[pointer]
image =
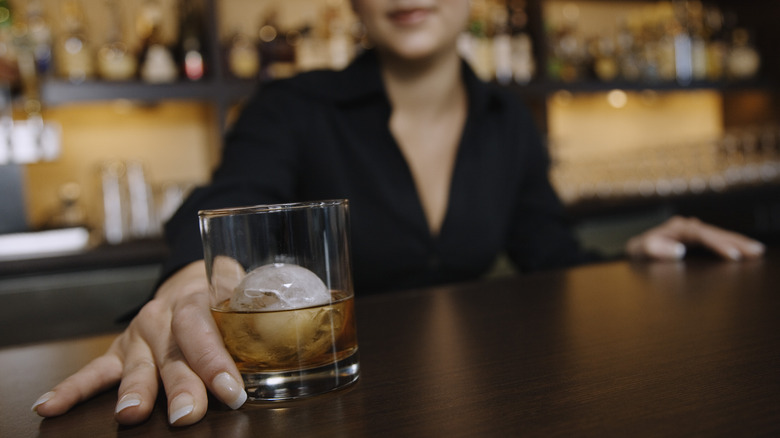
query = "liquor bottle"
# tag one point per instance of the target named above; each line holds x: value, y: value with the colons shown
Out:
x: 156, y: 61
x: 683, y: 52
x: 476, y: 45
x: 115, y: 62
x: 40, y: 36
x: 566, y: 62
x: 522, y: 57
x: 340, y: 44
x: 667, y: 44
x: 74, y: 55
x: 276, y: 53
x: 192, y: 59
x: 627, y: 53
x: 243, y: 56
x: 7, y: 54
x: 502, y: 45
x: 716, y: 46
x: 312, y: 50
x: 604, y: 62
x: 743, y: 59
x: 699, y: 37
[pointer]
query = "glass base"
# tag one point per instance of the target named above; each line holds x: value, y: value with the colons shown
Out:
x: 291, y: 385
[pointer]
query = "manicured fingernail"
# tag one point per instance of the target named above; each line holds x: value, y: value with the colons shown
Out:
x: 181, y: 406
x: 41, y: 400
x: 756, y: 248
x: 128, y: 400
x: 229, y: 390
x: 678, y: 251
x: 733, y: 254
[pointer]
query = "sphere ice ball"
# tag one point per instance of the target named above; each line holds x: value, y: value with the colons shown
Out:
x: 279, y: 286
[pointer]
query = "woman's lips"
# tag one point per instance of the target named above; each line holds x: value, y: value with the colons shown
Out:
x: 408, y: 17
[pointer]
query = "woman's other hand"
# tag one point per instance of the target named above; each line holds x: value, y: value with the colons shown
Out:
x: 669, y: 240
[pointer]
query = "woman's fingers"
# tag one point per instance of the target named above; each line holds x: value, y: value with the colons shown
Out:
x: 727, y: 244
x: 205, y: 353
x: 656, y: 246
x: 173, y: 339
x: 139, y: 386
x: 192, y: 352
x: 97, y: 376
x: 186, y: 393
x: 187, y: 397
x: 667, y: 241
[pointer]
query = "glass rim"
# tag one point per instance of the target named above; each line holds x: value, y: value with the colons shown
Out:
x: 271, y: 208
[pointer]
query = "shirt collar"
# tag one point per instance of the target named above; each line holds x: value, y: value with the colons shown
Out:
x: 361, y: 80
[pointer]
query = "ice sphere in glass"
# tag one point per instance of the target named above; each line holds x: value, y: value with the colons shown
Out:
x: 279, y: 286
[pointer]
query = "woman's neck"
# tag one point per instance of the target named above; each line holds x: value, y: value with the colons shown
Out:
x: 428, y: 85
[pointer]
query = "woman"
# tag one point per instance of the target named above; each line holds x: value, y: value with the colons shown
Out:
x: 442, y: 173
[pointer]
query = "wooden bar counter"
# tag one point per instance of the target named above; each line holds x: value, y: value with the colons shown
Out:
x: 615, y: 349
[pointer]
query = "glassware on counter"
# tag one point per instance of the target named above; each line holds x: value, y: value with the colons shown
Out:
x: 132, y: 207
x: 743, y: 157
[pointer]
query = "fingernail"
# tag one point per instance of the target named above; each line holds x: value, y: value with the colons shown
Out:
x: 128, y: 400
x: 756, y: 248
x: 679, y: 251
x: 229, y: 390
x: 41, y: 400
x: 181, y: 406
x: 733, y: 254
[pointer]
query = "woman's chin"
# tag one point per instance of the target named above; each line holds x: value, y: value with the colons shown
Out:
x: 417, y: 51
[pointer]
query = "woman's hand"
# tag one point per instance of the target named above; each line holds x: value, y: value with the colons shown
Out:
x: 668, y: 241
x: 173, y: 337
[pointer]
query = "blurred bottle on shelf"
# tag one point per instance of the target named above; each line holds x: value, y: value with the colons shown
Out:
x: 698, y: 32
x: 70, y: 212
x: 716, y: 45
x: 521, y: 54
x: 141, y: 201
x: 243, y: 57
x: 475, y: 43
x: 566, y: 52
x: 312, y: 51
x: 40, y: 36
x: 129, y: 207
x: 681, y: 31
x: 666, y: 41
x: 115, y: 202
x: 156, y: 61
x: 603, y: 62
x: 340, y: 43
x: 74, y: 54
x: 502, y: 45
x: 277, y: 51
x: 192, y: 46
x: 115, y: 62
x: 330, y: 42
x: 743, y: 61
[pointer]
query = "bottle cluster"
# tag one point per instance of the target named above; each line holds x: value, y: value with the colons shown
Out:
x: 669, y: 41
x: 497, y: 42
x: 271, y: 50
x: 678, y: 40
x: 58, y: 42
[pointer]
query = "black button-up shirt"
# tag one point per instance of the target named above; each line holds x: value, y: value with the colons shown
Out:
x: 325, y: 135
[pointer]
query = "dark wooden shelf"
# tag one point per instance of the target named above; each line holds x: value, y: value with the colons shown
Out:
x: 543, y: 88
x: 134, y: 253
x: 60, y: 92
